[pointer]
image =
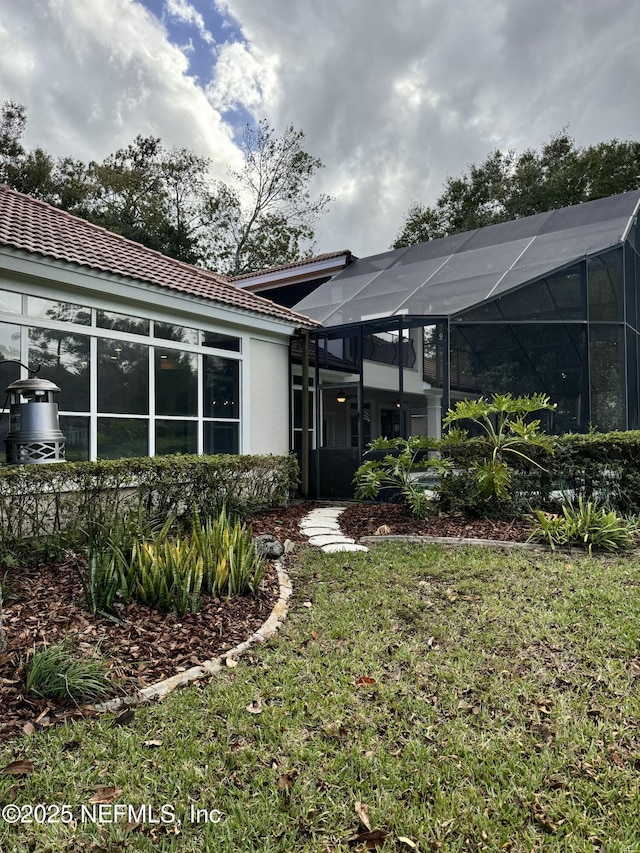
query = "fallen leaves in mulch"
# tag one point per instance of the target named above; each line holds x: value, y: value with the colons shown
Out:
x: 45, y: 605
x: 365, y: 519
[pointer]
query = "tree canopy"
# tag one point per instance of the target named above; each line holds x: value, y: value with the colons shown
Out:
x: 511, y: 185
x: 263, y: 215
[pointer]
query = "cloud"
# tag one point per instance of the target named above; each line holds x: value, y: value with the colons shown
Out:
x: 93, y: 75
x: 393, y: 97
x: 185, y: 12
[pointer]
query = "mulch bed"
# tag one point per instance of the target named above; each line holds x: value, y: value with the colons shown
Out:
x: 44, y: 605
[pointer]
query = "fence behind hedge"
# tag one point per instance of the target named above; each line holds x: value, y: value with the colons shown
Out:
x: 77, y: 498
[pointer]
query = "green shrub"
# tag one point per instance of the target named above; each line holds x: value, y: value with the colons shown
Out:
x: 585, y: 524
x: 399, y: 471
x: 70, y: 505
x: 56, y: 672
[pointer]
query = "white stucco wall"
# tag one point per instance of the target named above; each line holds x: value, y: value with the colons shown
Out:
x: 269, y: 397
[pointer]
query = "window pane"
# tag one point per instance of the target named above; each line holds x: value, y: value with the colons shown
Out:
x: 9, y: 350
x: 10, y: 302
x: 171, y: 332
x: 221, y: 387
x: 122, y: 437
x: 604, y: 275
x: 176, y: 382
x: 220, y: 438
x: 122, y: 322
x: 123, y: 377
x: 76, y: 433
x: 176, y: 437
x: 606, y: 362
x: 215, y: 339
x: 65, y: 312
x: 64, y: 359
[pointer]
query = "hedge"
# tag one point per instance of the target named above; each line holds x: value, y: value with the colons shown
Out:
x: 78, y: 498
x: 601, y: 465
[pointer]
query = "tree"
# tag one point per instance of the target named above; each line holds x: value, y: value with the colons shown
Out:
x: 509, y: 186
x: 166, y: 200
x: 262, y: 215
x: 151, y: 195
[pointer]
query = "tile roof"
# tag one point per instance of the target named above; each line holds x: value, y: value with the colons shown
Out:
x: 326, y: 256
x: 33, y: 226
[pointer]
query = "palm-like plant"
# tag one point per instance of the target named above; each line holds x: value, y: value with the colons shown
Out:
x: 508, y: 432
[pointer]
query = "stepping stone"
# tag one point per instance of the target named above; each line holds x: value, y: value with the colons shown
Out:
x: 342, y: 546
x: 319, y: 531
x: 331, y: 539
x: 326, y: 513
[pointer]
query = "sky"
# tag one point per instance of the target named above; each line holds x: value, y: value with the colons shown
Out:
x: 393, y: 95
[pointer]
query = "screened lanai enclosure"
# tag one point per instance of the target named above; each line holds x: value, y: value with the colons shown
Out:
x: 548, y: 303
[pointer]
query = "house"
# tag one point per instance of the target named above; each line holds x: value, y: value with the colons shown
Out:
x: 548, y: 303
x: 152, y: 356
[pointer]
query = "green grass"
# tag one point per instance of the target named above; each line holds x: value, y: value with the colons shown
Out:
x: 504, y: 717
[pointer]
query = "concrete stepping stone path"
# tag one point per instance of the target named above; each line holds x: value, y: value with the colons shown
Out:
x: 322, y: 528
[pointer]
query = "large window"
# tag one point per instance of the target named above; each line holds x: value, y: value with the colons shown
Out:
x: 123, y: 377
x: 176, y: 382
x: 64, y: 359
x: 129, y: 385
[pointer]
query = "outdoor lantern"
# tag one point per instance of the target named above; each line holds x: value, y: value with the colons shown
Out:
x: 34, y: 436
x: 342, y: 397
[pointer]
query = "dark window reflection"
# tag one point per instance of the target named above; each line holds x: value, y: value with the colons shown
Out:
x: 176, y: 437
x: 220, y: 438
x: 122, y: 437
x: 123, y: 377
x: 9, y: 351
x: 76, y: 433
x: 63, y: 312
x: 173, y: 332
x: 220, y: 341
x: 64, y: 359
x: 221, y: 387
x: 122, y: 322
x: 176, y: 382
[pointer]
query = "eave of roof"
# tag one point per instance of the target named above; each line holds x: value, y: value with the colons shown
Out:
x: 35, y: 227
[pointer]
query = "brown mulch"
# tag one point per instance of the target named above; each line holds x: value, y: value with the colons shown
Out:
x: 44, y: 604
x: 366, y: 519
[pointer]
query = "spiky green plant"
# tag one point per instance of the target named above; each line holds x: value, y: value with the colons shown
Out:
x: 56, y: 672
x: 585, y: 524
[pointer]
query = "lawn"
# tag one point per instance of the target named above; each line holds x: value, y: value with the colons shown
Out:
x: 452, y: 699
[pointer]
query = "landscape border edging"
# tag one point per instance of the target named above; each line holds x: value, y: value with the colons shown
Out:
x: 210, y: 667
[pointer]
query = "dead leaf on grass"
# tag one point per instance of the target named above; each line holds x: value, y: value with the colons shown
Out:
x: 104, y: 794
x: 28, y: 729
x: 255, y: 707
x: 231, y: 663
x: 287, y: 780
x: 372, y: 839
x: 22, y: 767
x: 404, y: 840
x: 364, y: 681
x: 362, y: 810
x: 154, y: 742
